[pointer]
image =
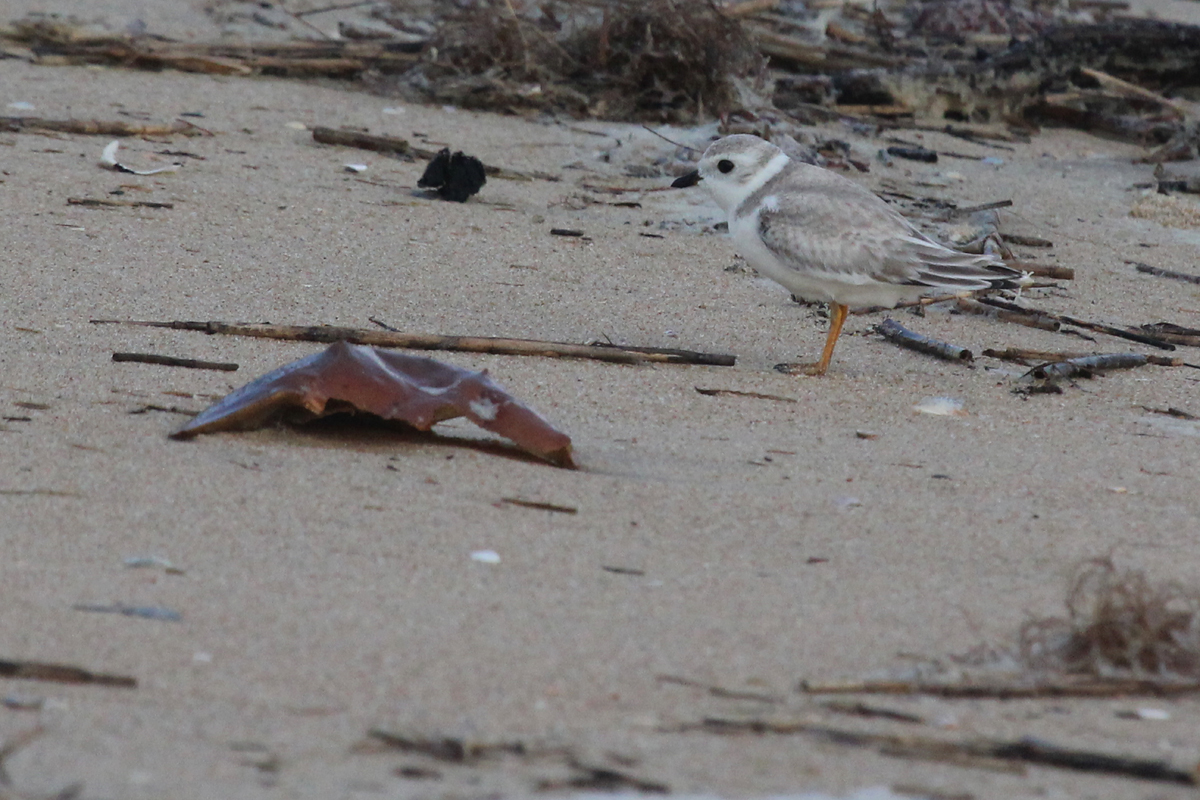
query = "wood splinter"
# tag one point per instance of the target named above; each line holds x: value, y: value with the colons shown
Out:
x: 895, y: 332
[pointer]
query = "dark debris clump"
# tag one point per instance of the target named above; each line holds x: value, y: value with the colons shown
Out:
x: 656, y: 60
x: 455, y: 177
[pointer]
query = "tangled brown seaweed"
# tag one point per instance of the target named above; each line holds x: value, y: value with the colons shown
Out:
x: 659, y: 60
x: 1119, y: 624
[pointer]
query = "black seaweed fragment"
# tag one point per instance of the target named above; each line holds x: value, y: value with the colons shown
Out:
x: 455, y: 177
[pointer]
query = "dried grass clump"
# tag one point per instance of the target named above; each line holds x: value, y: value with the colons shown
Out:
x: 1119, y: 625
x: 661, y: 60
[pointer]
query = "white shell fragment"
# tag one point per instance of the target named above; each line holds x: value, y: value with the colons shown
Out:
x: 941, y: 407
x: 155, y: 562
x: 108, y: 158
x: 1159, y: 714
x: 486, y: 556
x: 355, y: 167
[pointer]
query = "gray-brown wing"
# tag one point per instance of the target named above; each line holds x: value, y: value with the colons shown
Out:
x: 841, y: 230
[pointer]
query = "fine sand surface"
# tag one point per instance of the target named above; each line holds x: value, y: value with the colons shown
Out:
x: 328, y: 584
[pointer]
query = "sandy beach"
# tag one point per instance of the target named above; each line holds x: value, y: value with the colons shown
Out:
x: 324, y: 578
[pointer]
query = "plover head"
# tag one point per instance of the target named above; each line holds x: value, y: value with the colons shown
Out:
x: 735, y: 167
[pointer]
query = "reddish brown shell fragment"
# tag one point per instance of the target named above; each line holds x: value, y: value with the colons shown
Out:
x: 413, y: 389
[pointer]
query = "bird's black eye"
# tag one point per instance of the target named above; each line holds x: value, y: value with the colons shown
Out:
x: 725, y: 165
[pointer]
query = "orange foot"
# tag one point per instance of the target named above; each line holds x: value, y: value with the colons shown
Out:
x: 837, y: 316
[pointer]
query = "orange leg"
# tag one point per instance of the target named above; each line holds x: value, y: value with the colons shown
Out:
x: 837, y: 318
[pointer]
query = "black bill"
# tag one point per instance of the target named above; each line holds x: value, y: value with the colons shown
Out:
x: 684, y: 181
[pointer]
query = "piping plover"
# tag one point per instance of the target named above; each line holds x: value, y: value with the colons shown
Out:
x: 825, y: 238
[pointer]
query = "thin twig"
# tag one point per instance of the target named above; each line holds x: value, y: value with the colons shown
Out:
x: 978, y: 752
x: 895, y: 332
x: 324, y: 9
x: 1052, y: 271
x: 95, y: 127
x: 921, y: 301
x: 298, y: 18
x: 392, y: 144
x: 1165, y: 273
x: 1087, y: 366
x: 737, y: 393
x: 1116, y: 687
x: 1021, y: 355
x: 1027, y: 241
x: 60, y: 673
x: 516, y: 501
x: 1132, y: 91
x: 172, y: 361
x: 105, y: 202
x: 1033, y: 320
x: 427, y: 341
x: 669, y: 141
x: 1091, y: 326
x: 1175, y: 334
x: 964, y: 210
x: 720, y: 691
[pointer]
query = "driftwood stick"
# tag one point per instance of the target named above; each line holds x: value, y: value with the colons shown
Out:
x: 1086, y: 366
x: 1043, y: 270
x: 104, y: 202
x: 391, y: 144
x: 1132, y: 91
x: 739, y: 393
x: 428, y: 341
x: 895, y: 332
x: 920, y: 301
x: 1153, y: 341
x: 1116, y: 687
x: 96, y: 127
x: 1027, y: 241
x: 1175, y: 334
x: 1021, y: 355
x: 1028, y: 320
x: 1165, y: 273
x: 172, y: 361
x: 976, y: 752
x: 747, y: 7
x: 61, y: 673
x: 366, y: 141
x: 965, y: 210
